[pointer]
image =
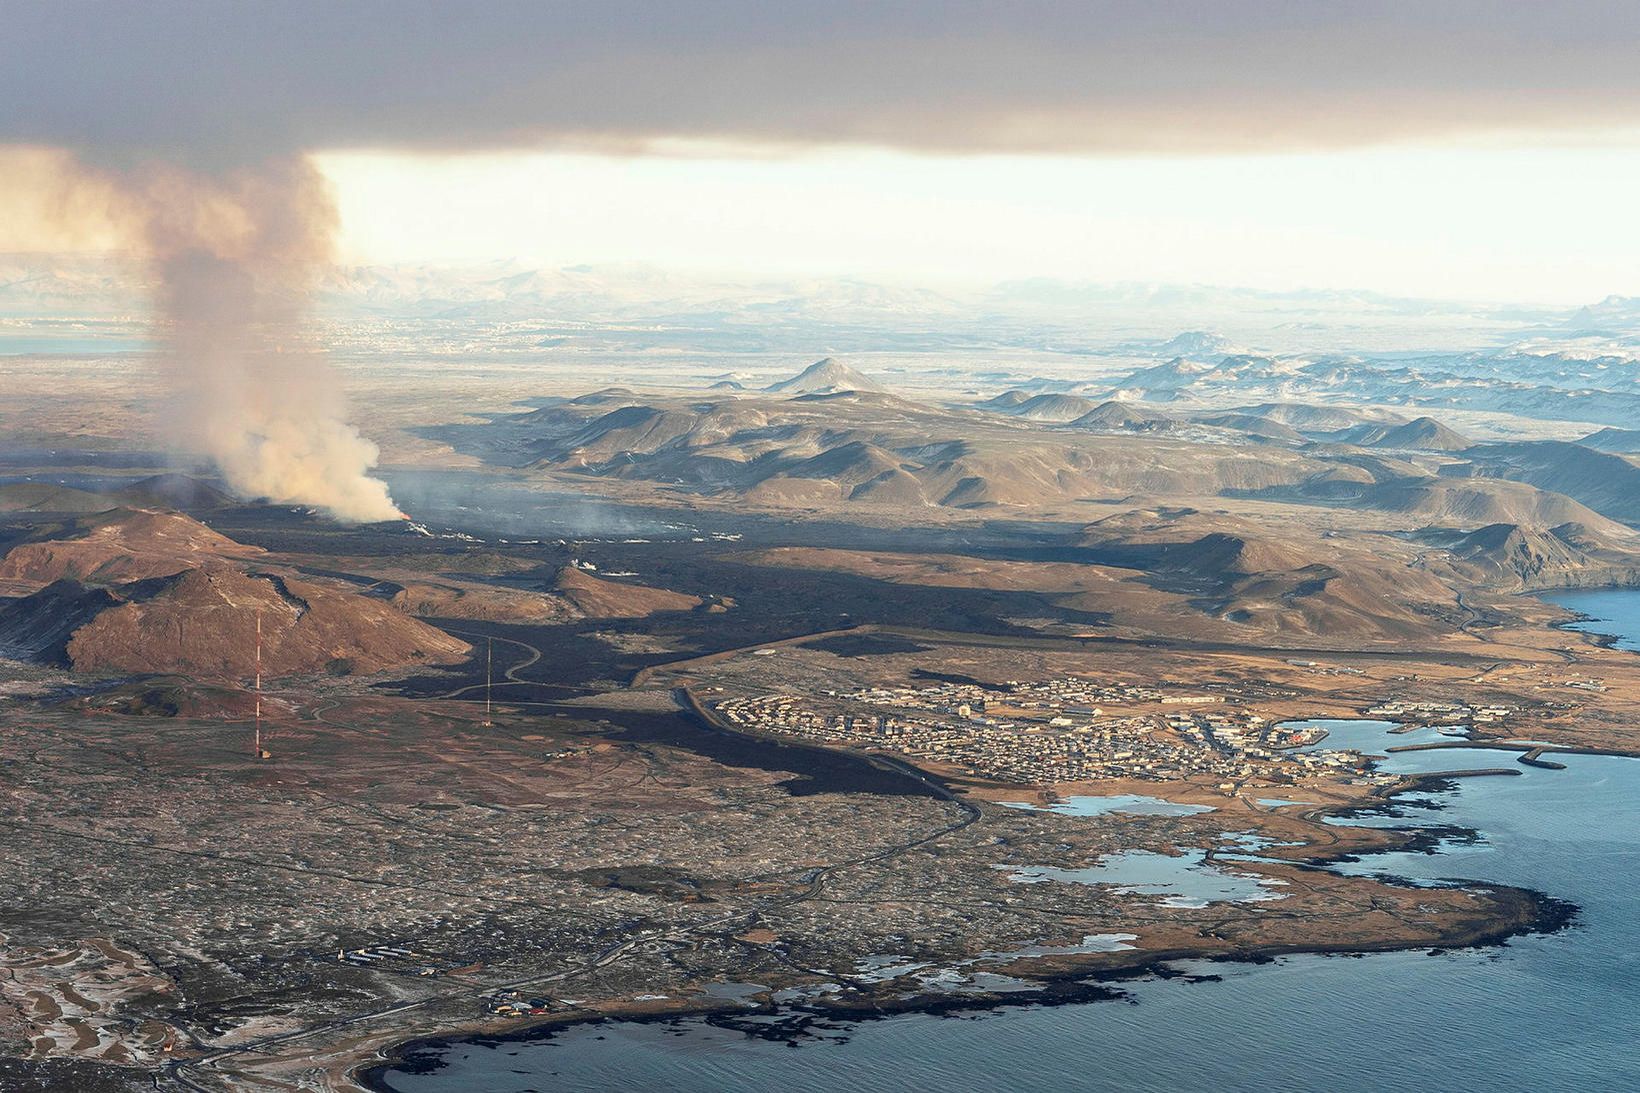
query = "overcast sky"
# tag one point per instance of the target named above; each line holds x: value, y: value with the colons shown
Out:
x: 1480, y: 150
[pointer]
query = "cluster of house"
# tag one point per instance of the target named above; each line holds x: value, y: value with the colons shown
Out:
x: 511, y: 1003
x: 1055, y: 730
x: 1440, y: 713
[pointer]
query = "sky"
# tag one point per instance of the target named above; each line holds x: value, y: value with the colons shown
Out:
x: 1514, y: 223
x: 1472, y: 149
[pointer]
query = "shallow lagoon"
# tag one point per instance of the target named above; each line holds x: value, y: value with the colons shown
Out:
x: 1177, y: 880
x: 1132, y: 804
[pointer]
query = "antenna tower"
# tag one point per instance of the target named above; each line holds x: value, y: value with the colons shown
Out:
x: 489, y: 664
x: 259, y: 754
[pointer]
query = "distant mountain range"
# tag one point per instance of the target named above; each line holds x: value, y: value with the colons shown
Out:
x: 1602, y: 389
x: 1194, y: 322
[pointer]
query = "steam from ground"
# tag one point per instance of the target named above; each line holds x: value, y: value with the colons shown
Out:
x: 234, y: 255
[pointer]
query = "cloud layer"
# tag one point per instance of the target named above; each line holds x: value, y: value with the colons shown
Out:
x: 214, y: 80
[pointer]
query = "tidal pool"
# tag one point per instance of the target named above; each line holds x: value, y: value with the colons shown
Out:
x: 1131, y: 803
x: 1179, y: 880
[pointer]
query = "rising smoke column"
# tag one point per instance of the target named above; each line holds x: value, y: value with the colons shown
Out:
x: 235, y: 255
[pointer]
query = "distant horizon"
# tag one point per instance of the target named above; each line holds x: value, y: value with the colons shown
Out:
x: 130, y: 260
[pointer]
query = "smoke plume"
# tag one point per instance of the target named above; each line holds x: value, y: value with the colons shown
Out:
x: 234, y: 255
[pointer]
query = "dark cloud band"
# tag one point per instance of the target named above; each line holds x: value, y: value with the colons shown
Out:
x: 228, y: 80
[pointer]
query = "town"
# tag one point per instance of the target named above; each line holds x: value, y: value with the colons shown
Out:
x: 1064, y: 729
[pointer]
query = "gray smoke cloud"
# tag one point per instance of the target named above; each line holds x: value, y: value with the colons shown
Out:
x: 234, y: 80
x: 232, y: 254
x: 235, y: 254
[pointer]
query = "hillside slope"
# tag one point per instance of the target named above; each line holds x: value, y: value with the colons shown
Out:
x: 824, y: 377
x: 149, y: 592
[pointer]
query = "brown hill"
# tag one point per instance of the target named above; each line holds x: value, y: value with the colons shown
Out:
x: 1597, y: 540
x: 473, y: 600
x: 1312, y: 603
x: 1625, y: 441
x: 43, y: 497
x: 38, y: 627
x: 1513, y: 558
x: 1312, y: 418
x: 1296, y: 585
x: 575, y: 595
x: 157, y: 592
x: 178, y: 696
x: 1123, y: 415
x: 1423, y: 434
x: 605, y: 396
x: 1329, y: 602
x: 879, y: 450
x: 601, y: 599
x: 1253, y: 425
x: 201, y: 623
x: 1214, y: 555
x: 1054, y: 407
x: 1477, y: 502
x: 1209, y: 544
x: 1607, y: 482
x: 122, y: 545
x: 174, y: 491
x: 650, y: 429
x: 824, y: 377
x: 849, y: 465
x: 781, y: 491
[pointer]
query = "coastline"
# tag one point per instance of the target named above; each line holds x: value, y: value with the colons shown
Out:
x: 1514, y: 912
x: 1575, y: 620
x: 1531, y: 912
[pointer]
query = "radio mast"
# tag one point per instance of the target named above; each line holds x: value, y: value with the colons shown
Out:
x: 259, y: 753
x: 489, y: 663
